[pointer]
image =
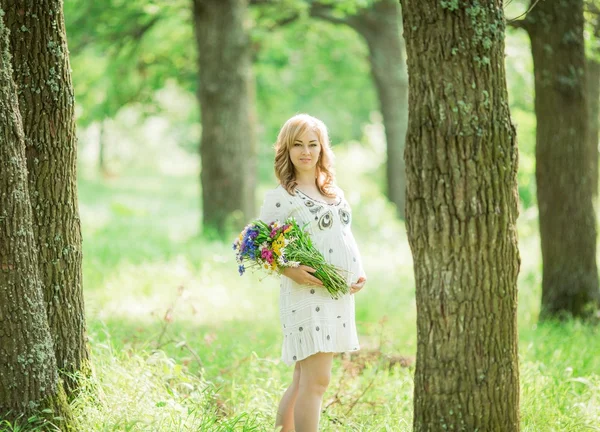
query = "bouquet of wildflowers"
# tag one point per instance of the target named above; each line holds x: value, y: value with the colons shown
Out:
x: 273, y: 247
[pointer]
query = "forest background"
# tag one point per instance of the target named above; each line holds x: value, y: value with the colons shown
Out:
x: 178, y: 340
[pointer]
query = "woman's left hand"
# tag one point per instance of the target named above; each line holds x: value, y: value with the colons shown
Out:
x: 360, y: 283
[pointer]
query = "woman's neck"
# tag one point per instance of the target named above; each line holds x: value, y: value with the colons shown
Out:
x: 306, y: 179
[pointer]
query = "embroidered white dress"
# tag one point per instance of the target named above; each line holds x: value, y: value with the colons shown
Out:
x: 311, y: 320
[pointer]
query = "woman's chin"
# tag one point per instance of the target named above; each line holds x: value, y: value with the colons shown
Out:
x: 305, y: 167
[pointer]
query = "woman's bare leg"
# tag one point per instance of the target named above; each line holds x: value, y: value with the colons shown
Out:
x: 315, y: 374
x: 285, y: 412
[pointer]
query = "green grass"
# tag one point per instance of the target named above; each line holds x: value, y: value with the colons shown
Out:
x: 180, y: 342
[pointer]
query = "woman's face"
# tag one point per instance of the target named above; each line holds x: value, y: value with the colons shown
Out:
x: 305, y: 152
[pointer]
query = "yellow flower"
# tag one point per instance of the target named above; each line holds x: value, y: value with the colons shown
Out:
x: 288, y: 229
x: 278, y: 244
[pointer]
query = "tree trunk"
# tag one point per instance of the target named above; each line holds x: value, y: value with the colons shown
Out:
x: 28, y: 375
x: 379, y: 26
x: 382, y: 34
x: 42, y: 74
x: 564, y: 178
x: 227, y: 145
x: 461, y: 160
x: 593, y: 103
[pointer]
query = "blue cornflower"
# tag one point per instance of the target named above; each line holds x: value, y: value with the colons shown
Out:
x: 249, y: 244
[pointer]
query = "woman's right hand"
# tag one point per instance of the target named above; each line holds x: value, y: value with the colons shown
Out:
x: 302, y: 275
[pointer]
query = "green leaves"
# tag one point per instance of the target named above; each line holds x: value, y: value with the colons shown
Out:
x: 122, y: 52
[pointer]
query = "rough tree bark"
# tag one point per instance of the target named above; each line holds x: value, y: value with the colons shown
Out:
x: 28, y: 375
x: 565, y: 182
x: 593, y: 100
x: 228, y: 149
x: 593, y: 103
x: 379, y: 26
x: 461, y: 160
x: 41, y: 71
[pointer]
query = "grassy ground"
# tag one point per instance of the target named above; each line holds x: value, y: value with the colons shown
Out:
x: 180, y: 342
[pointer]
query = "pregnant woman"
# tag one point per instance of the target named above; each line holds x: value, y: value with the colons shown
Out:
x: 314, y: 325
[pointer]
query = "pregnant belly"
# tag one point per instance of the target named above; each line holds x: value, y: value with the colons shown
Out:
x: 343, y: 257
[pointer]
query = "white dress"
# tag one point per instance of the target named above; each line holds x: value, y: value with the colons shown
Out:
x: 311, y: 320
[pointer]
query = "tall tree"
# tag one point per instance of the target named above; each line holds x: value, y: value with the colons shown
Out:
x: 42, y: 74
x: 461, y: 160
x: 565, y: 182
x: 593, y: 105
x: 228, y: 145
x: 29, y: 380
x: 593, y: 91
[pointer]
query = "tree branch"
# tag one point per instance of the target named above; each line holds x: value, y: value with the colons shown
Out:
x: 279, y: 22
x: 282, y: 22
x: 518, y: 24
x: 522, y: 23
x: 318, y: 10
x: 322, y: 11
x: 366, y: 21
x: 590, y: 7
x: 135, y: 33
x: 119, y: 39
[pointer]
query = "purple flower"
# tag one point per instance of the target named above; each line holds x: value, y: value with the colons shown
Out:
x: 241, y: 269
x: 252, y: 232
x: 248, y: 248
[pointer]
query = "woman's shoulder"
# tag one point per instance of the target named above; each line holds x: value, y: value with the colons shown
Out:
x: 277, y: 192
x: 337, y: 191
x: 276, y: 205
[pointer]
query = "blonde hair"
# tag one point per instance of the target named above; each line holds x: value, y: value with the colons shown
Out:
x: 284, y: 169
